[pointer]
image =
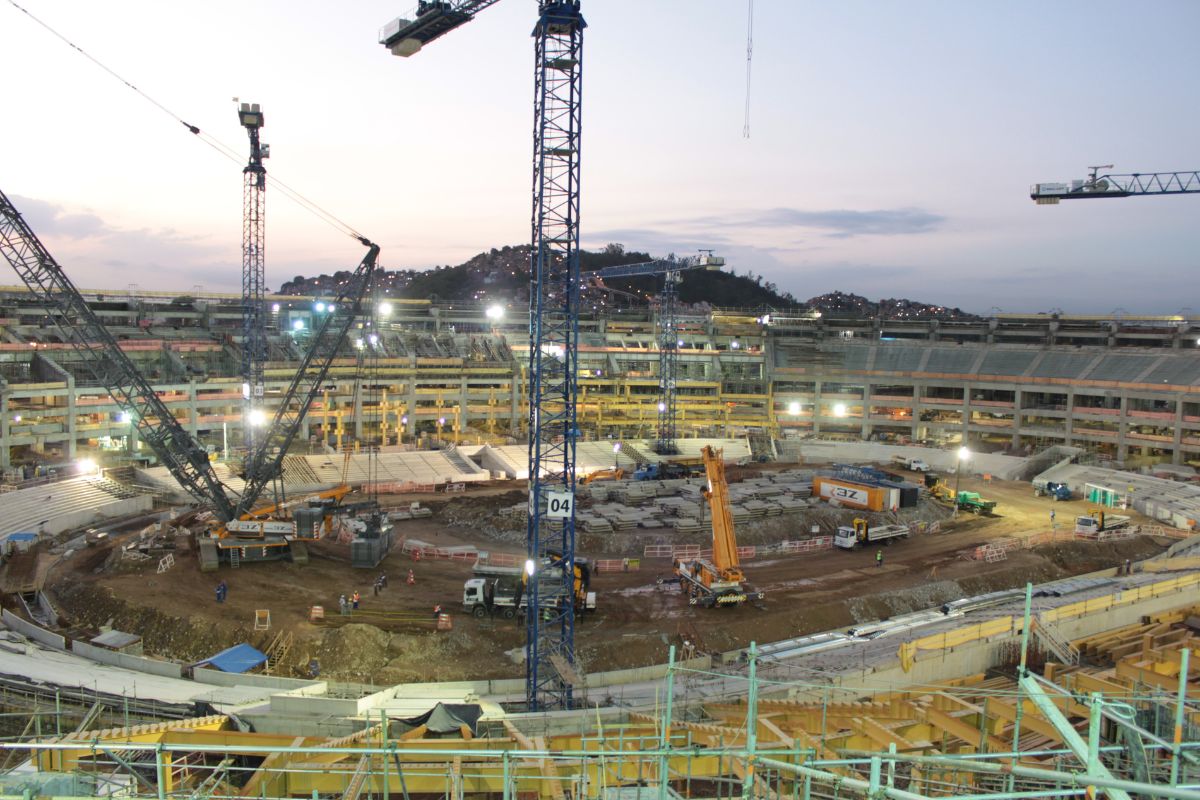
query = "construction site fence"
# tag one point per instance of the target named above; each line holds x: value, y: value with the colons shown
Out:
x: 1010, y: 626
x: 748, y: 553
x: 989, y: 550
x: 418, y: 551
x: 400, y: 487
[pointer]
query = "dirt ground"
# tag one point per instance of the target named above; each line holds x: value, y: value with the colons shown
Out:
x: 391, y: 638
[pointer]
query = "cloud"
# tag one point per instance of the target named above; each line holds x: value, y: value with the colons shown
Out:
x: 96, y: 253
x: 835, y: 223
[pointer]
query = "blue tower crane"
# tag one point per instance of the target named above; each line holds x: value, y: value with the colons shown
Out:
x: 1133, y: 185
x: 668, y: 335
x: 553, y: 327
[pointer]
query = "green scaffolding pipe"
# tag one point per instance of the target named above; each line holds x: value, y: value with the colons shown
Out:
x: 820, y: 776
x: 1080, y: 781
x: 1180, y: 699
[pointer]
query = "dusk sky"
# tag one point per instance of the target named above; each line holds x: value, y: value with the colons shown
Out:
x: 891, y: 148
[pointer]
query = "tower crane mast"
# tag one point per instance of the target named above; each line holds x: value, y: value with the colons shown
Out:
x: 668, y: 334
x: 254, y: 335
x: 553, y: 321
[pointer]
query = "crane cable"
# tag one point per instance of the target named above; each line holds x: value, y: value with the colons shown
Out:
x: 749, y: 57
x: 293, y: 194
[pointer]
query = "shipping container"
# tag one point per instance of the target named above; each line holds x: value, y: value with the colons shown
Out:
x: 856, y: 495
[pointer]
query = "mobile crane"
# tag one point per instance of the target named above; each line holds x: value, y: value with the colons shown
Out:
x: 719, y: 582
x: 230, y: 540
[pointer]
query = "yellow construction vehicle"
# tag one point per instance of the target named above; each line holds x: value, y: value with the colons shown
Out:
x: 719, y: 582
x: 614, y: 474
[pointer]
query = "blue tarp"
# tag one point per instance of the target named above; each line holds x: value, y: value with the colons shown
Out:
x: 239, y: 658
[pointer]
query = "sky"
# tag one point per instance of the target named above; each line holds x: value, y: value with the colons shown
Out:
x: 891, y: 146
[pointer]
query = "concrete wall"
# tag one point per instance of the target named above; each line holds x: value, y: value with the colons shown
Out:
x: 79, y: 519
x: 1002, y: 467
x: 216, y: 677
x: 165, y: 668
x: 32, y: 631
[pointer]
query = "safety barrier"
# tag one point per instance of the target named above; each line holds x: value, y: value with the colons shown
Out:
x: 618, y: 565
x: 749, y: 552
x: 807, y: 545
x: 418, y: 551
x: 500, y: 559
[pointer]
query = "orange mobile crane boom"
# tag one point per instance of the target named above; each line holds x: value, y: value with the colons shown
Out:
x: 719, y: 582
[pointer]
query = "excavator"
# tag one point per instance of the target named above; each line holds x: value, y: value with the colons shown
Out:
x: 241, y: 530
x: 611, y: 474
x: 719, y: 582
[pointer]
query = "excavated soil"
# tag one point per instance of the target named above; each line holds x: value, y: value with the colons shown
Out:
x: 392, y: 637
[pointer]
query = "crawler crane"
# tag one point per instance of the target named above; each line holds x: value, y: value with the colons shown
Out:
x: 240, y: 533
x: 719, y: 582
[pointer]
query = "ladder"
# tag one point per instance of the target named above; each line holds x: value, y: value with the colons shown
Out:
x: 235, y: 557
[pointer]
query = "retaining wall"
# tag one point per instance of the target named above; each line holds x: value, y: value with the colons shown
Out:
x: 167, y: 669
x: 32, y: 631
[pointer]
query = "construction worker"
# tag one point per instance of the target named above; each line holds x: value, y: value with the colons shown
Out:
x: 1052, y: 518
x: 222, y: 590
x: 879, y: 558
x: 437, y: 611
x: 354, y: 598
x: 342, y: 604
x: 411, y: 578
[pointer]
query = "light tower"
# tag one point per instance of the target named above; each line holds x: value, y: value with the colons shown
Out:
x: 254, y: 337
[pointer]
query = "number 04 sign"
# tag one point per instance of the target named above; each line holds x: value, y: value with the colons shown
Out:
x: 559, y: 504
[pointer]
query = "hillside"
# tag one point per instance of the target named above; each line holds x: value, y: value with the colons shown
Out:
x: 502, y: 275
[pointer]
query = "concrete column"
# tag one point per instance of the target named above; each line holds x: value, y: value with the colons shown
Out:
x: 410, y: 401
x: 1177, y: 433
x: 193, y: 410
x: 358, y: 416
x: 1016, y: 435
x: 867, y: 425
x: 966, y: 413
x: 71, y: 426
x: 816, y: 407
x: 514, y: 419
x: 918, y: 408
x: 1122, y: 443
x: 1069, y: 422
x: 464, y: 406
x: 5, y: 445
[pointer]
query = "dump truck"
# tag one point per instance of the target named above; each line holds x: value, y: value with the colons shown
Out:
x: 910, y: 463
x: 719, y: 581
x: 1052, y: 489
x: 502, y: 591
x: 1097, y: 520
x: 973, y: 502
x: 861, y: 534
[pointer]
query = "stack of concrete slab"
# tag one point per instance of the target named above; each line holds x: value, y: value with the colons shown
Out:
x: 593, y: 523
x: 1173, y: 503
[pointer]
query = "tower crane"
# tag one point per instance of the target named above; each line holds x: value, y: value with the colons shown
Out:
x: 553, y: 321
x: 254, y: 335
x: 668, y: 336
x: 184, y: 457
x: 1135, y: 184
